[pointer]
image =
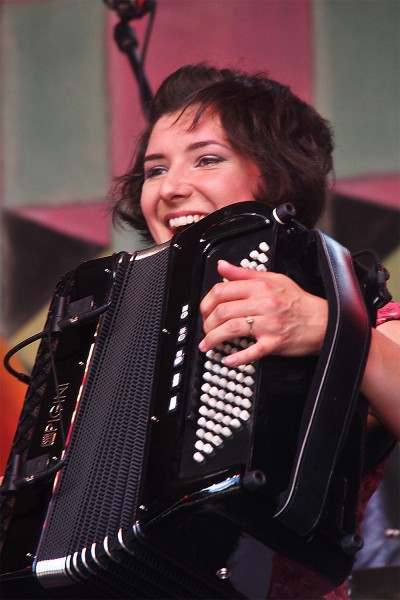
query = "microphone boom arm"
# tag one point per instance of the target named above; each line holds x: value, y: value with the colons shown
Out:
x: 126, y: 39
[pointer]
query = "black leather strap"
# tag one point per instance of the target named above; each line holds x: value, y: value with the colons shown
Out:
x: 334, y: 390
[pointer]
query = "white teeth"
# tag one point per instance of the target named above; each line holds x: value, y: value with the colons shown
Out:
x: 183, y: 221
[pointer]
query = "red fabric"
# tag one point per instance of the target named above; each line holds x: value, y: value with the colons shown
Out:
x: 390, y: 312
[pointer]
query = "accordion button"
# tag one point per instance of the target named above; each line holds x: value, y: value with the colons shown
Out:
x: 198, y: 457
x: 248, y: 392
x: 246, y: 404
x: 264, y: 247
x: 176, y: 380
x: 173, y: 403
x: 217, y: 441
x: 182, y: 335
x: 263, y: 258
x: 226, y: 432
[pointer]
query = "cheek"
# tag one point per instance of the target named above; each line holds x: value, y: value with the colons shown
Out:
x: 146, y: 203
x: 247, y: 187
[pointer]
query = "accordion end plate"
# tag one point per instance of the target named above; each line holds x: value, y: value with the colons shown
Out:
x: 53, y: 572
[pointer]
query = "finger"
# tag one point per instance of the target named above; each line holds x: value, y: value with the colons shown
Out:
x: 238, y: 327
x: 248, y: 355
x: 233, y: 273
x: 233, y: 314
x: 222, y: 293
x: 244, y: 357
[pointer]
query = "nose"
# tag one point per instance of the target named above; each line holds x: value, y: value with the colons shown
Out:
x: 175, y: 186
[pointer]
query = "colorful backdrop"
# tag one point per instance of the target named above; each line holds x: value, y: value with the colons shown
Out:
x: 70, y: 116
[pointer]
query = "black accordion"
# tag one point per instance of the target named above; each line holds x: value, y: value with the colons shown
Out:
x: 142, y: 468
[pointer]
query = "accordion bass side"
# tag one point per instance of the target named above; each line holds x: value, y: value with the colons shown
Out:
x: 179, y: 477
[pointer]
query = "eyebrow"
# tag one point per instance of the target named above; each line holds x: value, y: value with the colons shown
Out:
x: 190, y: 148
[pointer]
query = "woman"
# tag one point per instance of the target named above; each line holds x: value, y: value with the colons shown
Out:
x: 218, y: 137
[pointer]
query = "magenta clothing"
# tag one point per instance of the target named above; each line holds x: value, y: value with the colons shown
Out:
x: 292, y: 580
x: 390, y: 312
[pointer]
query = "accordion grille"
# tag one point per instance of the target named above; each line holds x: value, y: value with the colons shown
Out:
x: 97, y: 491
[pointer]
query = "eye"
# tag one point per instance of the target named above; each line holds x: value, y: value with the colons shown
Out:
x: 209, y: 160
x: 154, y: 172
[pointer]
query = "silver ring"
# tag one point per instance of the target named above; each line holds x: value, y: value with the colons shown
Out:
x: 250, y: 321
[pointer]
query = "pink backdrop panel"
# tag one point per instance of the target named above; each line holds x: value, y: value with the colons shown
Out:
x: 256, y: 35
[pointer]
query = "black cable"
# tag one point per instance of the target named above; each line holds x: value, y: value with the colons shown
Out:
x: 21, y: 376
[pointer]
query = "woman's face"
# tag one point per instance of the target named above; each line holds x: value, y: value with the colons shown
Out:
x: 189, y: 174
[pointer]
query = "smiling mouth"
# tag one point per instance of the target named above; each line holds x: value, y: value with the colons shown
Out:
x: 180, y: 223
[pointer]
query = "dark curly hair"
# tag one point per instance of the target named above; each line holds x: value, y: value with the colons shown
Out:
x: 264, y: 122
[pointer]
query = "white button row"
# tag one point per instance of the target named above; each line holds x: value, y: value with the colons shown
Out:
x: 257, y: 258
x: 226, y: 393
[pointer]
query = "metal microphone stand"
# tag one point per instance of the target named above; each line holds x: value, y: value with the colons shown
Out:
x: 126, y: 40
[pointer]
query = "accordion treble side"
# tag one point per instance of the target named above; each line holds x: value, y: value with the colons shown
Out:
x: 179, y: 475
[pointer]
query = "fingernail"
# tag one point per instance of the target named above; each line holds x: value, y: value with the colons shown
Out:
x: 230, y: 360
x: 202, y: 346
